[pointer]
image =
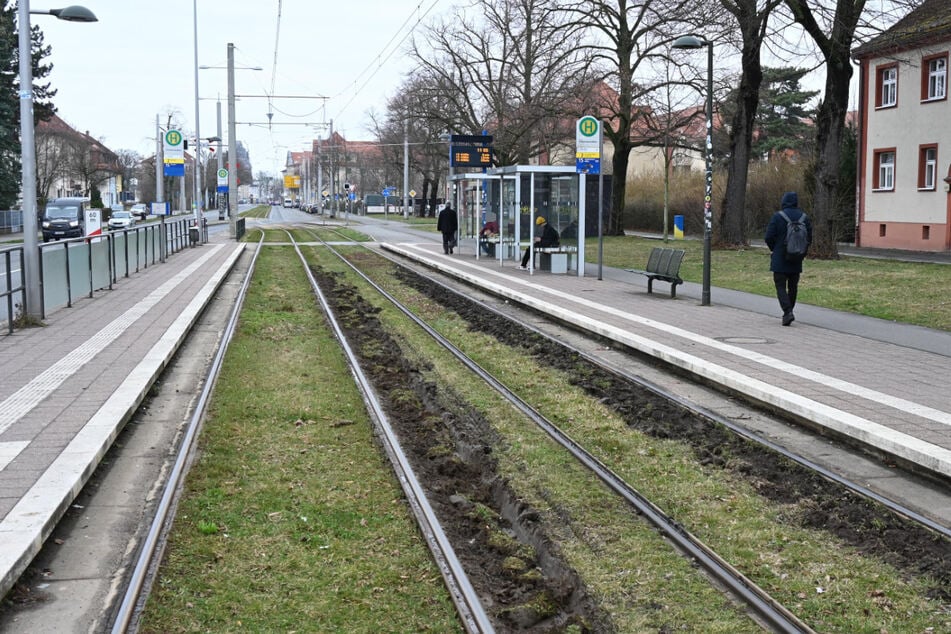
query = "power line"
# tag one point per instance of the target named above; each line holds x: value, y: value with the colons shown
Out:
x: 377, y: 67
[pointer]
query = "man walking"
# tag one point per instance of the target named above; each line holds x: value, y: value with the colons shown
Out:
x: 788, y: 236
x: 447, y: 224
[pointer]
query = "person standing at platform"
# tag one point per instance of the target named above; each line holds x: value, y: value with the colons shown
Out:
x: 548, y: 238
x: 786, y: 267
x: 448, y: 224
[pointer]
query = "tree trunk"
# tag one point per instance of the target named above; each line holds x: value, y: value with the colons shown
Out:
x: 732, y: 218
x: 622, y: 152
x: 830, y: 125
x: 830, y: 120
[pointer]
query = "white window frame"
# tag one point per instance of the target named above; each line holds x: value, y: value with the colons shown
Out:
x: 930, y: 168
x: 889, y: 87
x: 937, y: 78
x: 886, y: 171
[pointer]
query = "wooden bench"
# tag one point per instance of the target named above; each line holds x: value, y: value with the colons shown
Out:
x: 556, y: 259
x: 663, y: 264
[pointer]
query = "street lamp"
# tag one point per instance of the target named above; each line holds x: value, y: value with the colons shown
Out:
x: 31, y: 254
x: 691, y: 42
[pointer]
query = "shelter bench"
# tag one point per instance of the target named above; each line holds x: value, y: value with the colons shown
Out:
x: 556, y: 259
x: 663, y: 264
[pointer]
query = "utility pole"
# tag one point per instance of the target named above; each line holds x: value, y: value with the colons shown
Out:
x: 406, y: 169
x: 333, y: 192
x: 198, y: 201
x: 320, y: 181
x: 159, y: 163
x: 232, y: 149
x: 221, y: 164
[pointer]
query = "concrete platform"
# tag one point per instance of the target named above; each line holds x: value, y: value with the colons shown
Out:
x: 883, y: 385
x: 68, y: 388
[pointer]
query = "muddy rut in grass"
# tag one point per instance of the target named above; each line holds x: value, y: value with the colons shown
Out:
x: 814, y: 502
x: 524, y: 584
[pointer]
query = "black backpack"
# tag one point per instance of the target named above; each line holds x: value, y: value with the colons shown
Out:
x: 797, y: 237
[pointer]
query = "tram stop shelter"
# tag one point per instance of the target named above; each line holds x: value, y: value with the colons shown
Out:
x: 513, y: 197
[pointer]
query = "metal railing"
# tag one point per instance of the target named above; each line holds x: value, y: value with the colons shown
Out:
x: 9, y: 291
x: 81, y: 266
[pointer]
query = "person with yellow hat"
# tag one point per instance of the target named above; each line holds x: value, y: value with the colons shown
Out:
x: 548, y: 238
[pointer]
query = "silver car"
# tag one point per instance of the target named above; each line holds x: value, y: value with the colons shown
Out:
x: 121, y: 220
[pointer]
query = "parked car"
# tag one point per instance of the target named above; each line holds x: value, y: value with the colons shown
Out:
x: 140, y: 211
x: 121, y: 220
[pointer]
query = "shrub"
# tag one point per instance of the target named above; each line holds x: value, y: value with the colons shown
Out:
x: 767, y: 181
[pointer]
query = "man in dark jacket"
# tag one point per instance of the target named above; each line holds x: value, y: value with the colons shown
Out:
x: 447, y: 224
x: 786, y: 270
x: 548, y: 238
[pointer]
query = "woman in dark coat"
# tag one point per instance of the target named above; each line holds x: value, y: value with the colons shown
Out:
x: 447, y: 224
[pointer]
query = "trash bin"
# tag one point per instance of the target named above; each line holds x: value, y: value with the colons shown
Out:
x: 678, y: 227
x: 194, y: 235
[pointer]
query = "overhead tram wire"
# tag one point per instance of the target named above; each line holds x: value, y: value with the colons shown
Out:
x: 383, y: 62
x: 277, y: 41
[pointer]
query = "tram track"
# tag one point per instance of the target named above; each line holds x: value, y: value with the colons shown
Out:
x: 900, y: 512
x: 769, y: 613
x: 766, y: 610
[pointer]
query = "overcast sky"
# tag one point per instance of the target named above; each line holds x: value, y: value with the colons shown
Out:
x: 114, y: 76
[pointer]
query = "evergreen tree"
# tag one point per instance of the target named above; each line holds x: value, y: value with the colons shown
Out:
x: 784, y: 120
x: 43, y: 109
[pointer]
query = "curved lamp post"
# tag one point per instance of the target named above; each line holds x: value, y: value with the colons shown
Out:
x: 692, y: 42
x: 31, y: 255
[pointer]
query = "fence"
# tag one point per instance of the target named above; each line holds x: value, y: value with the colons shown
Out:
x: 11, y: 221
x: 81, y: 266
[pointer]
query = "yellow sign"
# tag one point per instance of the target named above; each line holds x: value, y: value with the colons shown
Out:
x: 291, y: 181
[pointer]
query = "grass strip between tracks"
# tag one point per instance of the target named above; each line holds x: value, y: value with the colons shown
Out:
x: 644, y: 585
x: 290, y: 520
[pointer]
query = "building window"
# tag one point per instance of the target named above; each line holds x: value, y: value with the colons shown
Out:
x: 934, y: 77
x: 927, y: 167
x: 926, y: 232
x: 884, y: 177
x: 887, y: 94
x: 881, y: 231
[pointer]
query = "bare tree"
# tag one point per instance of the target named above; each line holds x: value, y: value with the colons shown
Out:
x: 631, y: 43
x: 52, y: 159
x: 418, y: 113
x: 752, y: 17
x: 509, y: 71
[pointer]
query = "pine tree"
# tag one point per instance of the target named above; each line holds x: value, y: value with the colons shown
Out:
x: 43, y: 109
x: 784, y: 120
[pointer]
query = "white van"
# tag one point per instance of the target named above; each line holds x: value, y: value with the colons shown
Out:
x: 288, y: 202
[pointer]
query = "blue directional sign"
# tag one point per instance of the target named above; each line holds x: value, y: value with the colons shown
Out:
x: 388, y: 191
x: 588, y: 165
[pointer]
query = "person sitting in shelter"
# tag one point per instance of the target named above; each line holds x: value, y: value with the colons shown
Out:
x: 490, y: 230
x: 548, y: 238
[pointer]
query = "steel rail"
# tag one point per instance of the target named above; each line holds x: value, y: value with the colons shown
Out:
x: 765, y: 608
x: 464, y: 596
x: 693, y: 408
x: 151, y: 551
